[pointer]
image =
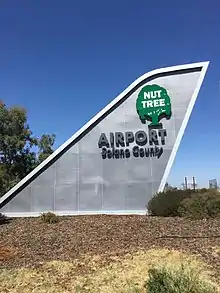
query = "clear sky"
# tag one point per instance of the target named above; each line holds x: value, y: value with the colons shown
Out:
x: 56, y: 55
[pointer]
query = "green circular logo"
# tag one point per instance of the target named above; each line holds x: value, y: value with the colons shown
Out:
x: 153, y: 104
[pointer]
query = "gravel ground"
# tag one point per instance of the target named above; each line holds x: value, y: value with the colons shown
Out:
x: 26, y: 242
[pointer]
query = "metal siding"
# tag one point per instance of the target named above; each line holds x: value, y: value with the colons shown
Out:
x: 80, y: 180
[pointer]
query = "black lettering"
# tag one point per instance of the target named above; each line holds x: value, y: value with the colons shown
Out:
x: 159, y: 152
x: 127, y: 153
x: 147, y: 152
x: 104, y: 152
x: 109, y: 154
x: 129, y: 137
x: 112, y: 139
x: 112, y: 153
x: 122, y: 153
x: 141, y: 152
x: 152, y: 152
x: 135, y: 151
x: 162, y: 133
x: 153, y: 137
x: 141, y: 137
x: 117, y: 153
x: 119, y: 139
x: 103, y: 141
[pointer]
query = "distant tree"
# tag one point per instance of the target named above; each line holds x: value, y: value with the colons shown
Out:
x: 45, y: 145
x: 17, y: 157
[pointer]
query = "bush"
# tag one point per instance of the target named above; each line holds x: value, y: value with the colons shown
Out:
x: 49, y: 217
x: 3, y: 219
x: 201, y: 206
x: 184, y: 279
x: 166, y: 204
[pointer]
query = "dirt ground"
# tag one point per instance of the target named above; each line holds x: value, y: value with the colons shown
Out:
x: 28, y: 242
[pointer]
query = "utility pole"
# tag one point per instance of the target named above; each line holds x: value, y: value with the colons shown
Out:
x: 194, y: 183
x: 186, y: 184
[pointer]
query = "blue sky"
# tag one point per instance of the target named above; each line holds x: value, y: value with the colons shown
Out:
x: 56, y: 54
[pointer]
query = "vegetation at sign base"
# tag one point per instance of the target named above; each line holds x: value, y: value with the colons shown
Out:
x: 49, y: 218
x: 183, y: 279
x: 3, y: 219
x: 150, y: 271
x: 166, y: 204
x: 20, y: 151
x: 199, y: 204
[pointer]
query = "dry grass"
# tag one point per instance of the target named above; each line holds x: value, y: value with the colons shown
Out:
x: 124, y: 274
x: 216, y: 252
x: 217, y: 249
x: 101, y: 253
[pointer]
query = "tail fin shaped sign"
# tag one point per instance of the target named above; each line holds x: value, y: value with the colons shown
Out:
x: 121, y: 157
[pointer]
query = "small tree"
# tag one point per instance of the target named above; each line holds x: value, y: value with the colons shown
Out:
x: 17, y: 157
x: 45, y: 145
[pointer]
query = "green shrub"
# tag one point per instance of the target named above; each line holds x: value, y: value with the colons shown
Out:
x: 166, y: 204
x: 184, y: 279
x: 201, y: 206
x: 49, y: 217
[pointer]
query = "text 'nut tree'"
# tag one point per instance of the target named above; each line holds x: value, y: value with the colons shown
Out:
x: 153, y: 103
